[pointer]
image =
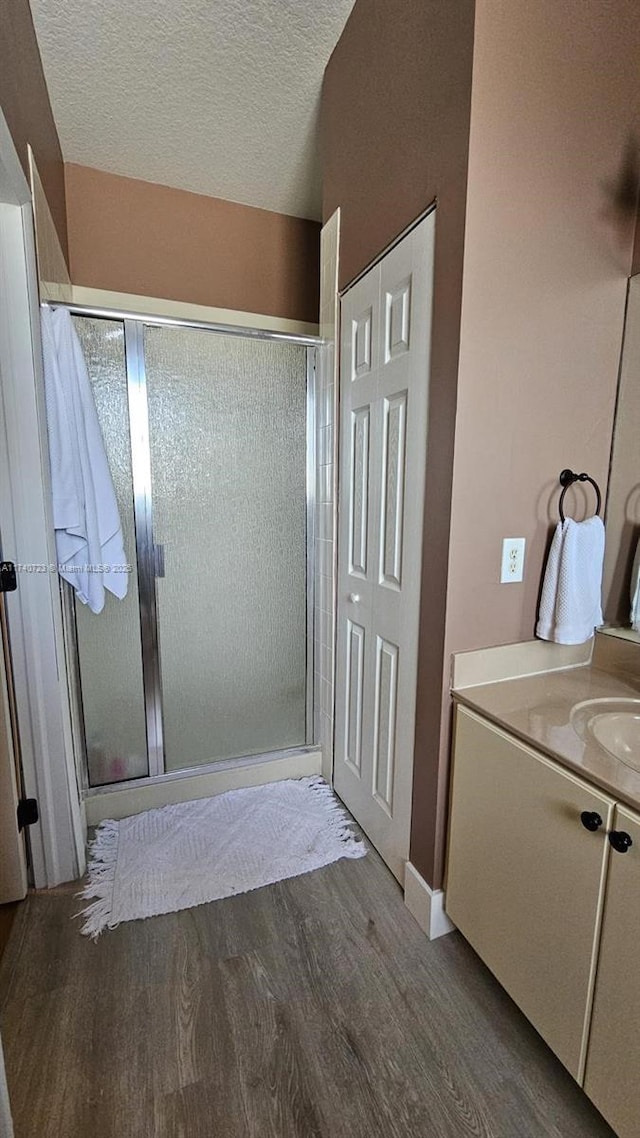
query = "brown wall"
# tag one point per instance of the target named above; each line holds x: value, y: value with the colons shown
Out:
x: 395, y: 130
x: 548, y: 247
x: 548, y: 239
x: 25, y: 103
x: 137, y: 237
x: 395, y: 126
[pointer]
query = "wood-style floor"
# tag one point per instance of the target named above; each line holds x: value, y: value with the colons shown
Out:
x: 311, y: 1008
x: 7, y: 916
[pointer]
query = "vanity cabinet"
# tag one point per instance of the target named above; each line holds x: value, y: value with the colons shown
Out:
x: 536, y: 888
x: 525, y: 878
x: 612, y: 1078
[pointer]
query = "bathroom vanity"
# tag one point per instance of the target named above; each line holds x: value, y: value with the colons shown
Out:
x: 543, y: 871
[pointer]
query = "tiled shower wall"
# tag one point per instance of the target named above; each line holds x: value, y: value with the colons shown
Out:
x: 326, y: 409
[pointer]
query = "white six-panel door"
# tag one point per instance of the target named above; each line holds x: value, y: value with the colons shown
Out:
x: 384, y: 375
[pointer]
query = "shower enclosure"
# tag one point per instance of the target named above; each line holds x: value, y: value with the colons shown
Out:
x: 209, y: 436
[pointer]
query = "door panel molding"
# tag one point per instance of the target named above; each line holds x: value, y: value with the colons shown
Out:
x: 384, y: 740
x: 354, y: 695
x: 361, y: 344
x: 397, y: 305
x: 392, y: 497
x: 359, y: 492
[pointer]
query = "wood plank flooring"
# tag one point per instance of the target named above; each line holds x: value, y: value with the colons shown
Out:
x: 7, y: 916
x: 314, y: 1008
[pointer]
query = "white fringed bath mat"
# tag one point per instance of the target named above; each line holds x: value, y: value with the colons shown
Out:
x: 184, y: 855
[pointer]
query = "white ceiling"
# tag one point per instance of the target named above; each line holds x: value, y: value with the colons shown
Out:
x: 215, y: 96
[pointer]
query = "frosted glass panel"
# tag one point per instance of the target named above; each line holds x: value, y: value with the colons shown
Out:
x: 227, y: 423
x: 109, y: 643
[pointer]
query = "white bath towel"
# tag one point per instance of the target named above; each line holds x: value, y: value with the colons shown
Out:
x: 634, y: 615
x: 85, y: 512
x: 571, y: 602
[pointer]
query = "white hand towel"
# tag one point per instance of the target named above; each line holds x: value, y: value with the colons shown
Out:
x: 571, y: 601
x: 85, y: 511
x: 634, y: 615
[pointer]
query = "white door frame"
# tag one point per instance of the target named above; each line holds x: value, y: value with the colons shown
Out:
x: 34, y: 611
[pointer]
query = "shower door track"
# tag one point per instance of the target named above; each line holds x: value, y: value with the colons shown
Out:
x: 214, y: 767
x: 133, y: 324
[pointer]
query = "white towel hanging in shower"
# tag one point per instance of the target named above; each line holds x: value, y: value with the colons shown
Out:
x: 89, y: 539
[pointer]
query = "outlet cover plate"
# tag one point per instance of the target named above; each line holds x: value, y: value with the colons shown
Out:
x: 512, y: 568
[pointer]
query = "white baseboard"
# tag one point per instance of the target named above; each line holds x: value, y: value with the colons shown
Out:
x: 147, y: 796
x: 425, y: 904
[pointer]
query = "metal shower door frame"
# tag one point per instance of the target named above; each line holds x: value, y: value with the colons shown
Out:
x: 311, y: 520
x: 140, y: 444
x: 146, y: 550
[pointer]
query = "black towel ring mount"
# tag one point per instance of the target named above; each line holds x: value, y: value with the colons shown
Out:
x: 567, y: 479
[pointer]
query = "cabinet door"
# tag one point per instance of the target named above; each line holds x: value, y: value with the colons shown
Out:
x: 525, y: 878
x: 613, y: 1060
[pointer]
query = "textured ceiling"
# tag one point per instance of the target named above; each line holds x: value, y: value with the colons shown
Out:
x: 215, y: 96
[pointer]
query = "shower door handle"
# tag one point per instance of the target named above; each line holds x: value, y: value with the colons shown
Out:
x: 158, y: 560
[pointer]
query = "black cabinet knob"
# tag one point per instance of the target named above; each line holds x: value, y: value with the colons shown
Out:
x: 590, y: 820
x: 620, y: 840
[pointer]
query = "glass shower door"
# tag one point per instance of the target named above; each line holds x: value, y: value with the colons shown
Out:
x: 227, y: 435
x: 108, y: 645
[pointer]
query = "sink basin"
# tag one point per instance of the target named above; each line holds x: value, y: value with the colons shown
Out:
x: 614, y: 724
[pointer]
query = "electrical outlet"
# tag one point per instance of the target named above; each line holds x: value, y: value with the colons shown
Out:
x: 512, y: 560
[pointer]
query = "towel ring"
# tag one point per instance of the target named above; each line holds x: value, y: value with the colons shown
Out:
x: 567, y: 479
